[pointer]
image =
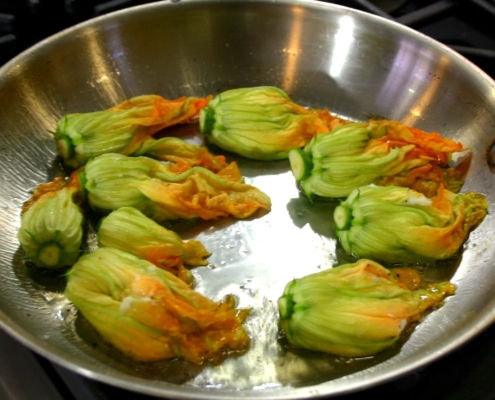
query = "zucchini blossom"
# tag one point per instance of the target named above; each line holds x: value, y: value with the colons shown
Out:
x: 380, y: 152
x: 399, y: 225
x: 261, y: 123
x: 353, y: 310
x: 128, y: 229
x: 114, y: 181
x: 51, y: 231
x: 128, y: 128
x: 150, y: 314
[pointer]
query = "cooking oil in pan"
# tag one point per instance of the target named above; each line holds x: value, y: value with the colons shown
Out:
x: 252, y: 260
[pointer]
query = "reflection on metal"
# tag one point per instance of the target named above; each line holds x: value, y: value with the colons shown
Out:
x: 342, y: 46
x: 413, y: 81
x: 104, y: 54
x: 294, y: 51
x: 429, y: 93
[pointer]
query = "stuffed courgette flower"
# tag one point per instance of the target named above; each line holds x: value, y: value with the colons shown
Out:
x: 150, y: 314
x: 128, y: 128
x: 261, y: 123
x: 114, y: 181
x: 129, y: 230
x: 399, y: 225
x: 353, y: 310
x: 51, y: 231
x: 381, y: 152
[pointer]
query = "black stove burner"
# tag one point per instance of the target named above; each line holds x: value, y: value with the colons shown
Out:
x: 464, y: 25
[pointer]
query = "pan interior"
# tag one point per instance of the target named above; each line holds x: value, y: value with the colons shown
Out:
x: 322, y: 55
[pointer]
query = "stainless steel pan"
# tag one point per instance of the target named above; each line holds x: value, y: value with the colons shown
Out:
x: 323, y: 55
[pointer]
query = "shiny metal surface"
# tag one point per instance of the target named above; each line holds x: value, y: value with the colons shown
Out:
x: 323, y: 55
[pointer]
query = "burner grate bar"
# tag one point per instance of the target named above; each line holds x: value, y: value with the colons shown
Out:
x: 485, y: 6
x: 5, y: 39
x: 471, y: 51
x: 369, y: 6
x: 427, y: 12
x: 6, y: 23
x: 81, y: 388
x: 114, y: 5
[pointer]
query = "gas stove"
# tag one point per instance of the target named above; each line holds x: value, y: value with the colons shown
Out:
x: 463, y: 25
